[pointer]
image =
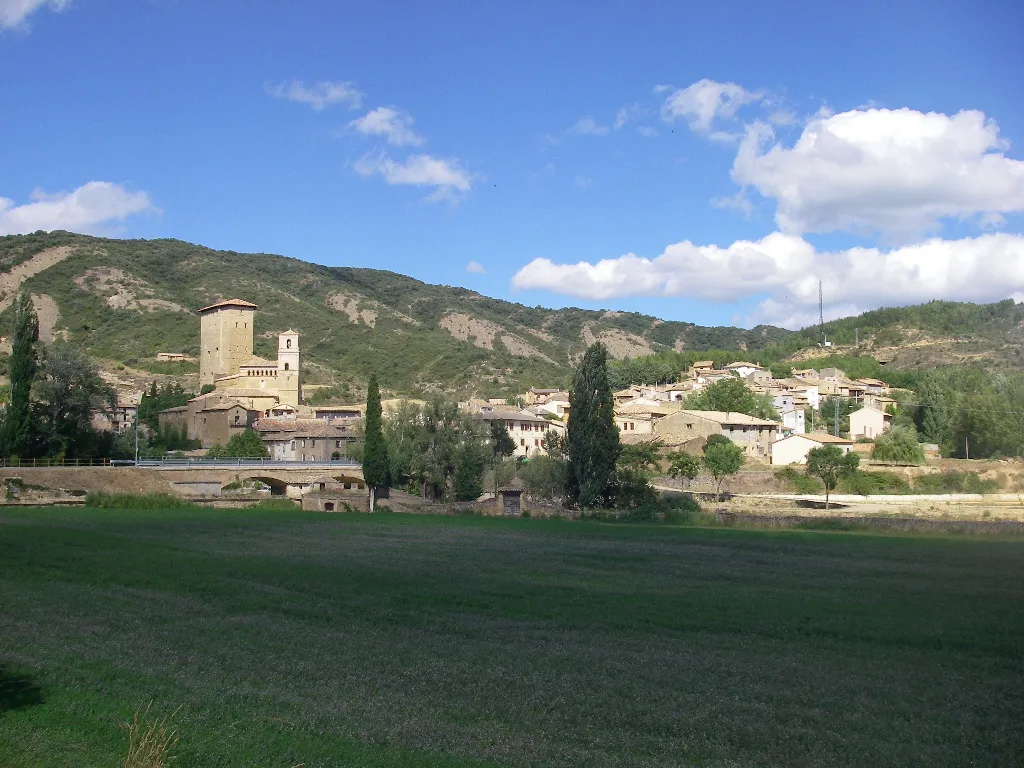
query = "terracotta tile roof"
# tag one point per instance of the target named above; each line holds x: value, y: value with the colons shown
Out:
x: 731, y: 417
x: 241, y: 303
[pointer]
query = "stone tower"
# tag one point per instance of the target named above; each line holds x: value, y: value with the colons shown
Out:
x: 225, y: 338
x: 289, y: 383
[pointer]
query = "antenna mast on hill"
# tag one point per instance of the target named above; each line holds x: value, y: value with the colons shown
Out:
x: 821, y: 316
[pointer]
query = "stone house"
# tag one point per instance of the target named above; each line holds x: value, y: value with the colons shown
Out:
x: 305, y: 439
x: 755, y: 436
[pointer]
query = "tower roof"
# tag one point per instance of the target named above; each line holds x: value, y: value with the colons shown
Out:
x: 240, y: 303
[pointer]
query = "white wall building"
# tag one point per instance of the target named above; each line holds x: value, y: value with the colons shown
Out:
x: 794, y: 448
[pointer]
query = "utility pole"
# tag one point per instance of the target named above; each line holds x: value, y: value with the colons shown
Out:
x: 136, y: 438
x: 836, y: 403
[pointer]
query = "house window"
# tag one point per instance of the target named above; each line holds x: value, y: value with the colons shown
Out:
x: 522, y: 443
x: 337, y: 443
x: 293, y: 445
x: 286, y: 366
x: 288, y: 344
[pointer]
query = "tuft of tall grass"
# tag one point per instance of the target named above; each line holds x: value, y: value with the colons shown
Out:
x: 150, y: 740
x: 102, y: 500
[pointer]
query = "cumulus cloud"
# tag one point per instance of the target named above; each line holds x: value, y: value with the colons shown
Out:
x: 475, y: 267
x: 701, y: 103
x: 389, y: 122
x: 785, y: 269
x: 14, y: 13
x: 447, y: 176
x: 897, y: 172
x: 319, y: 95
x: 92, y: 205
x: 587, y: 126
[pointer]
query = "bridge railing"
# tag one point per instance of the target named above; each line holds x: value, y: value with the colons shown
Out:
x: 203, y: 463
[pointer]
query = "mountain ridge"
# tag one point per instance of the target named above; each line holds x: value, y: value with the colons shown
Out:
x: 123, y: 301
x: 126, y: 300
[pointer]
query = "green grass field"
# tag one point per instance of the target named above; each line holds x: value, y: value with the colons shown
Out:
x: 295, y: 639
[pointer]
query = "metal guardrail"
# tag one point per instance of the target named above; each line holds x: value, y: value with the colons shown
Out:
x: 243, y: 463
x: 183, y: 463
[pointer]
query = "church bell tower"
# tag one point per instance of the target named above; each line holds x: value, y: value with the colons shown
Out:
x: 289, y: 384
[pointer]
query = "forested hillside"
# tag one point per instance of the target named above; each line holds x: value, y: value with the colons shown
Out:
x: 125, y: 300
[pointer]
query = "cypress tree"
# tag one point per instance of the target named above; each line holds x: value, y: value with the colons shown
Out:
x: 593, y: 438
x: 22, y: 367
x: 375, y: 450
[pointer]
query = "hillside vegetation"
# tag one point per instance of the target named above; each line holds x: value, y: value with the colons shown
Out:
x: 125, y: 300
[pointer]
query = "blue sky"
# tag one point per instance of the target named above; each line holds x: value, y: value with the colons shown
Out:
x: 701, y: 164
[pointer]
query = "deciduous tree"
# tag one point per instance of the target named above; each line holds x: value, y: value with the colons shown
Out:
x: 830, y: 463
x: 722, y: 460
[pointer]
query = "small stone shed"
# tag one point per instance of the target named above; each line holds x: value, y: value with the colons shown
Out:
x: 509, y: 500
x: 325, y: 494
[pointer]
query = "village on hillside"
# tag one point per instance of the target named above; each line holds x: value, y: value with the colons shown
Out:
x: 241, y: 391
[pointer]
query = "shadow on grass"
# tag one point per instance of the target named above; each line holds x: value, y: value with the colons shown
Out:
x: 808, y: 504
x: 18, y: 691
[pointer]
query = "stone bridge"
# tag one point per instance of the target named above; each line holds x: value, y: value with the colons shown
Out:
x: 291, y: 479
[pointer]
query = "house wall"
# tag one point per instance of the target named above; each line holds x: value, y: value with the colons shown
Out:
x: 792, y: 450
x: 634, y: 425
x: 755, y: 440
x: 867, y: 422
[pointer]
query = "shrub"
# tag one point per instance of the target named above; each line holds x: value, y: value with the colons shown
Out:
x: 798, y: 481
x: 951, y: 481
x: 102, y: 500
x: 869, y: 483
x: 898, y: 445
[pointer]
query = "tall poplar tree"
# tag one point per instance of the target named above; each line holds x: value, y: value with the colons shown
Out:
x: 22, y: 368
x: 593, y: 438
x: 375, y: 448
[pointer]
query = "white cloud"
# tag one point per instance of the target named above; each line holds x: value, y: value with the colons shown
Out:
x: 705, y: 101
x: 319, y: 95
x: 627, y: 114
x: 898, y: 172
x: 785, y: 268
x: 445, y: 175
x: 587, y: 126
x: 646, y: 131
x: 475, y: 267
x: 396, y: 126
x: 14, y: 13
x: 88, y: 207
x: 583, y: 181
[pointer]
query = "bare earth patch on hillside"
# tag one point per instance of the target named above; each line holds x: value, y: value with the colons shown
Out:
x: 482, y: 333
x: 520, y: 348
x: 361, y: 309
x: 468, y: 328
x: 620, y: 344
x: 349, y: 305
x: 122, y: 290
x: 42, y: 261
x: 48, y: 313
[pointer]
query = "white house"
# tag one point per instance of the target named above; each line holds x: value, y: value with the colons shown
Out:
x: 526, y: 429
x: 794, y: 448
x: 869, y: 423
x: 744, y: 369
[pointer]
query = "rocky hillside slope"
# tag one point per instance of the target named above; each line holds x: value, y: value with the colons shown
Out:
x: 125, y: 300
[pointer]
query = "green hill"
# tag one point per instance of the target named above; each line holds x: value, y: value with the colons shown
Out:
x: 125, y: 300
